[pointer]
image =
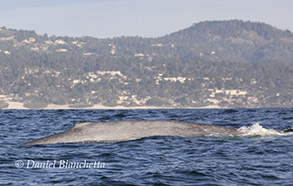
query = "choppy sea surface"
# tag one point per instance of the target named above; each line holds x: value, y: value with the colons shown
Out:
x: 264, y: 157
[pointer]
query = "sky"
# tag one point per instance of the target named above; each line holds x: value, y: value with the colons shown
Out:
x: 146, y: 18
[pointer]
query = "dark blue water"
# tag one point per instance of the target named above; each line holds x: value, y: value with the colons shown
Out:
x: 248, y: 160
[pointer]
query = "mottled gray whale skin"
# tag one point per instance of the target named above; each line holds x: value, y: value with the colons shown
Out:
x: 131, y: 130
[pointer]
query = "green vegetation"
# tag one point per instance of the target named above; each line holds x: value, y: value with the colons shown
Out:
x: 3, y: 105
x: 35, y: 105
x: 228, y: 63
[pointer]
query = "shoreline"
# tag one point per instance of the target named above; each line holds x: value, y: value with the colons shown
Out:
x: 20, y: 106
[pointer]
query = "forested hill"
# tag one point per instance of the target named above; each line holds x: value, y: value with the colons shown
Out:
x: 234, y: 41
x: 227, y: 63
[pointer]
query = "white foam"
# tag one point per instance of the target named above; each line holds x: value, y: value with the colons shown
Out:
x: 257, y: 130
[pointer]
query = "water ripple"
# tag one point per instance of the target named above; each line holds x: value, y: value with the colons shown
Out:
x: 258, y: 160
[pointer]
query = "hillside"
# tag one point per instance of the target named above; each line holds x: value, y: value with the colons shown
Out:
x: 227, y: 63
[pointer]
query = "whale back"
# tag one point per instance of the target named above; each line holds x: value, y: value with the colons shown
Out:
x: 132, y: 130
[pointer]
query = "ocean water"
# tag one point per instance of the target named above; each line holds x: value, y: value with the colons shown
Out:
x: 262, y: 157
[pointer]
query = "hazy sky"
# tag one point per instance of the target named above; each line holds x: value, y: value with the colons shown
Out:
x: 147, y: 18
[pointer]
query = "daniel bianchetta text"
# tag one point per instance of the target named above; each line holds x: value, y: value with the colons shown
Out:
x: 59, y: 164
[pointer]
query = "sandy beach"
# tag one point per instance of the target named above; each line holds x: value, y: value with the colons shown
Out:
x: 19, y: 105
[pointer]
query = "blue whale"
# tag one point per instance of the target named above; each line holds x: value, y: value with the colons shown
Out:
x: 131, y: 130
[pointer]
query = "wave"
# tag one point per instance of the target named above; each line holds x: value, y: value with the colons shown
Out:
x: 257, y: 130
